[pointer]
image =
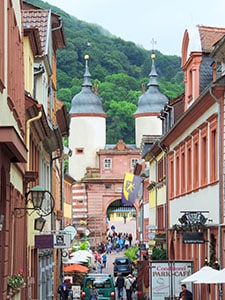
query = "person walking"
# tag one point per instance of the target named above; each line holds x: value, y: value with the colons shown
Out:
x: 185, y: 294
x: 70, y: 293
x: 93, y: 293
x: 119, y: 283
x: 104, y: 260
x: 63, y: 290
x: 129, y: 280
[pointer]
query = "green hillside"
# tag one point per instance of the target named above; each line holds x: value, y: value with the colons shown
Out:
x: 118, y: 67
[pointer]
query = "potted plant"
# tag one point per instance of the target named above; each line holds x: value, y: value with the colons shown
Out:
x: 15, y: 283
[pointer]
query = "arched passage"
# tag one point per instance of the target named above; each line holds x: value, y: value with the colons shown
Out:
x: 121, y: 218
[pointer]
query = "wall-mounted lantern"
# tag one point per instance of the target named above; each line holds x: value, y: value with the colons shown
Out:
x: 42, y: 203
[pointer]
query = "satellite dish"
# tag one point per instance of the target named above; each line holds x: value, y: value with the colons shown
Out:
x: 70, y: 230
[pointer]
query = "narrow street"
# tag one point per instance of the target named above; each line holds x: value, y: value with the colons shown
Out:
x: 109, y: 268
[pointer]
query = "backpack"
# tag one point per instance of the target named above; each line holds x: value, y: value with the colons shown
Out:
x: 59, y: 289
x: 62, y: 288
x: 134, y: 285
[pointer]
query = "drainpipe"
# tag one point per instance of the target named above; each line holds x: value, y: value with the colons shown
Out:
x: 166, y: 208
x: 28, y: 135
x: 60, y: 25
x: 220, y: 176
x: 28, y: 123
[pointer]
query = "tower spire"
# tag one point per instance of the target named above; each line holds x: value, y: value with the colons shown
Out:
x: 87, y: 74
x: 153, y: 74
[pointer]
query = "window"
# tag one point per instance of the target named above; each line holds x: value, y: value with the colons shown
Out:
x: 183, y: 169
x: 195, y: 156
x: 108, y: 163
x: 213, y: 148
x: 189, y: 165
x: 79, y: 150
x: 171, y: 178
x: 133, y: 162
x: 204, y: 153
x: 108, y: 186
x: 177, y: 172
x: 161, y: 169
x: 161, y: 218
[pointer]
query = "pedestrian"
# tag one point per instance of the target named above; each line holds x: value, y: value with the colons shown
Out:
x: 63, y: 290
x: 93, y: 293
x: 185, y: 294
x: 119, y: 283
x: 100, y: 266
x: 130, y: 238
x: 129, y: 280
x: 104, y: 260
x: 126, y: 243
x: 70, y: 293
x: 109, y: 247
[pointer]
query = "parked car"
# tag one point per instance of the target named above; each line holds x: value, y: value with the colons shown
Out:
x: 122, y: 265
x: 104, y: 284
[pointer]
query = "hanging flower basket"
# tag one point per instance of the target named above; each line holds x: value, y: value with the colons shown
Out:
x: 15, y: 281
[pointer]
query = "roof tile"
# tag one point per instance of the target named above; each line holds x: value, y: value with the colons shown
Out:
x: 37, y: 19
x: 209, y: 36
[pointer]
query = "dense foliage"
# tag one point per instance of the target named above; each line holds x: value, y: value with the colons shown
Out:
x: 118, y: 67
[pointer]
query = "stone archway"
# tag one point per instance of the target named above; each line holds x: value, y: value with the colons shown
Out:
x: 123, y: 218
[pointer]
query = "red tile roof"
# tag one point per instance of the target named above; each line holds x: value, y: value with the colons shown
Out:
x: 209, y: 36
x: 37, y: 19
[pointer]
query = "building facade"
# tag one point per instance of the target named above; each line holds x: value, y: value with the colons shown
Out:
x: 192, y: 147
x: 32, y: 126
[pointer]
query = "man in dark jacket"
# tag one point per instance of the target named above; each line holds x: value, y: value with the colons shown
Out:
x: 119, y: 283
x: 63, y: 290
x: 185, y: 294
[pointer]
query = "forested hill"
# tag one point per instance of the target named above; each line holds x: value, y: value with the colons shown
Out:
x: 118, y: 67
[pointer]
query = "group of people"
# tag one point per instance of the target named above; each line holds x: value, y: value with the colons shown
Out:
x: 118, y: 241
x: 128, y: 283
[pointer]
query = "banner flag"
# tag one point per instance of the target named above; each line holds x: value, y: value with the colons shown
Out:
x: 131, y: 186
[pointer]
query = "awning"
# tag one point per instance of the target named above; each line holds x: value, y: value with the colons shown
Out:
x: 75, y: 268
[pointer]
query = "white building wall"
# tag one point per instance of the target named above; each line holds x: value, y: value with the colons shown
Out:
x: 145, y: 126
x: 206, y: 199
x: 89, y: 134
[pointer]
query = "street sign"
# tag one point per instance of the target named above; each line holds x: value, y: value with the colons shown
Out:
x: 62, y: 241
x: 50, y: 241
x: 151, y: 235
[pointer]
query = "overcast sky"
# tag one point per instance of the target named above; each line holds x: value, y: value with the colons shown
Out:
x: 141, y: 21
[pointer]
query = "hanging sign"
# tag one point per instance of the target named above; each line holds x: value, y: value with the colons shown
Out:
x: 62, y: 241
x: 193, y: 238
x: 50, y: 241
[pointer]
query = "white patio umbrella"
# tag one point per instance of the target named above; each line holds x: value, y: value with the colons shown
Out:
x: 219, y: 277
x: 82, y: 253
x: 75, y: 260
x: 201, y: 276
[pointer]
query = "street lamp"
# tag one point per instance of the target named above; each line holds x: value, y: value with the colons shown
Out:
x: 42, y: 203
x: 39, y: 223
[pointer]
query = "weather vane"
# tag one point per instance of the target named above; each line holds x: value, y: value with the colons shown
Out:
x: 153, y: 42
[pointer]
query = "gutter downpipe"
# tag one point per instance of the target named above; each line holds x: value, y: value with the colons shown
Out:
x: 28, y: 135
x: 220, y: 183
x: 28, y: 123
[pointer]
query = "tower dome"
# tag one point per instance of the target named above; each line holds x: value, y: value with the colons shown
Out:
x: 153, y: 100
x: 149, y: 106
x: 86, y: 101
x: 87, y: 128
